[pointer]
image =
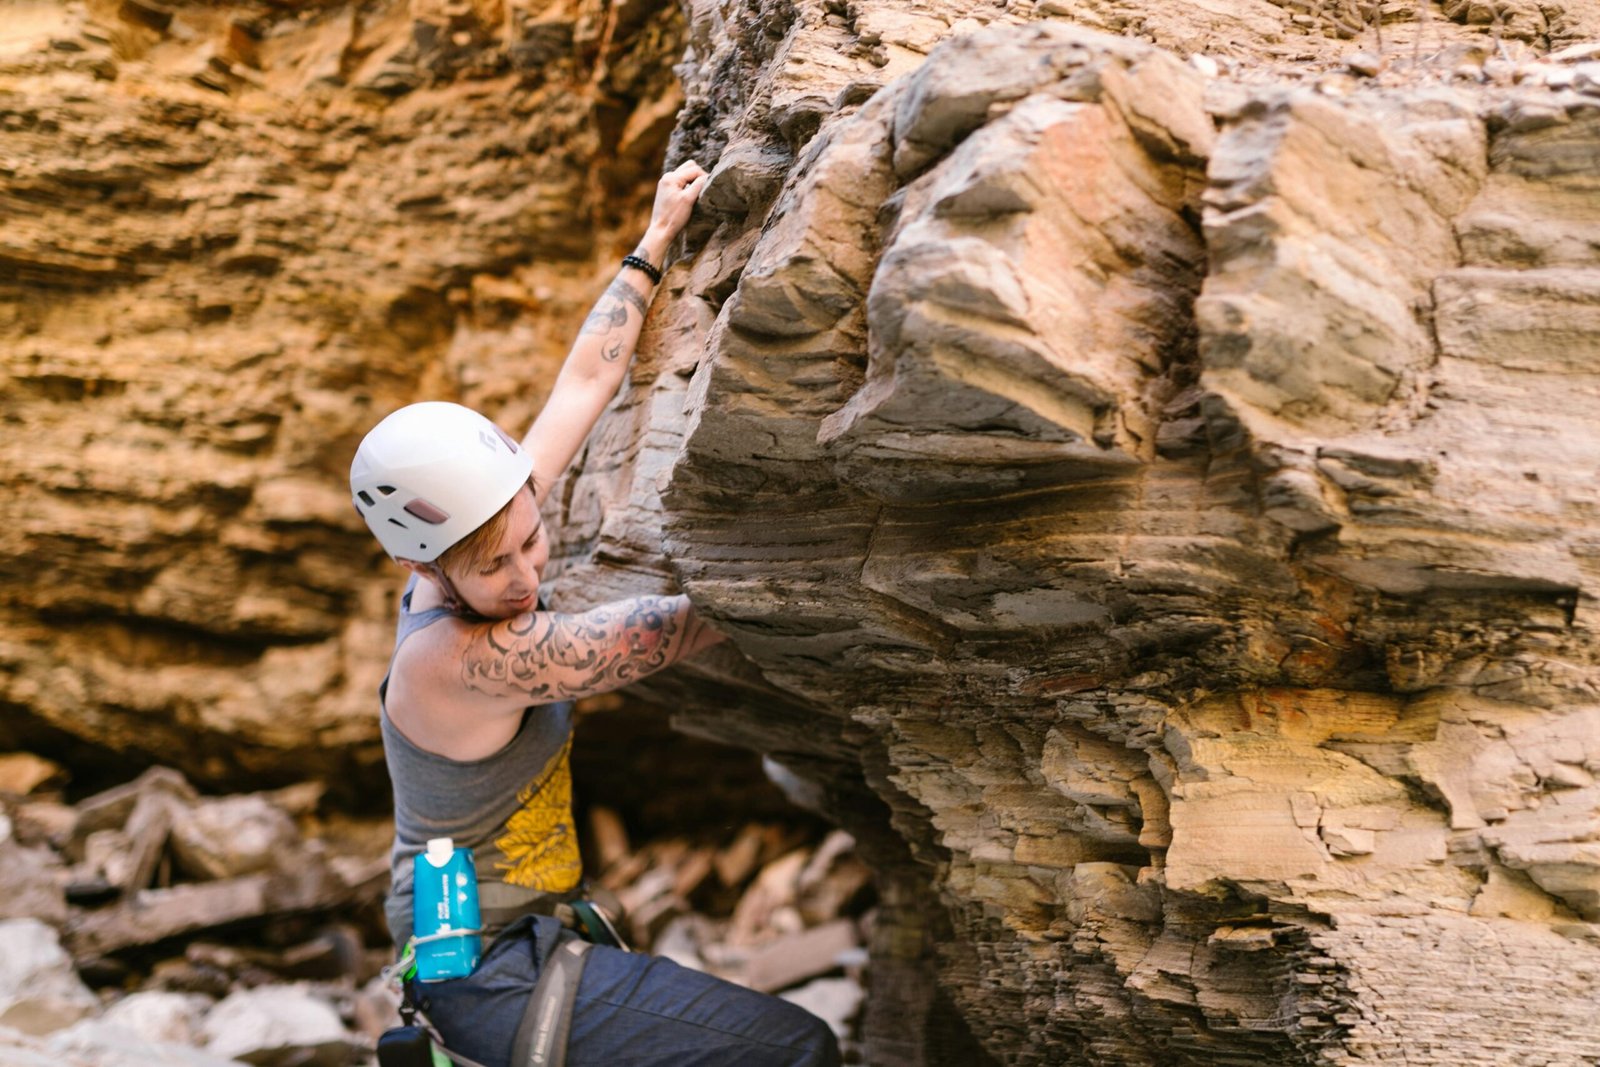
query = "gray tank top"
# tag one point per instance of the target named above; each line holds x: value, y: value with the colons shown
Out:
x: 513, y: 809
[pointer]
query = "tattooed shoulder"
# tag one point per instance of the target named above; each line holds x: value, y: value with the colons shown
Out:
x: 545, y: 656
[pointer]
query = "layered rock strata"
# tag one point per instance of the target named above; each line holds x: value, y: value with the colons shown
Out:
x: 1146, y: 478
x: 233, y: 237
x: 1174, y: 500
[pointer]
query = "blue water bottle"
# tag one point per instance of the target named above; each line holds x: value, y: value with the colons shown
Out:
x: 444, y: 897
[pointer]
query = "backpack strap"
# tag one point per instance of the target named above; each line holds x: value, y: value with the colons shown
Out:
x: 547, y: 1022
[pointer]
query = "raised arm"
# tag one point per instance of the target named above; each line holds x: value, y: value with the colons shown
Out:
x: 540, y: 657
x: 599, y: 358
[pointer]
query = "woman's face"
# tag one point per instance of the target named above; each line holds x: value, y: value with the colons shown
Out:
x: 507, y: 583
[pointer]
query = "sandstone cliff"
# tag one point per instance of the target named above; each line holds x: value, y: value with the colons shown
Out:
x: 1140, y: 453
x: 236, y: 235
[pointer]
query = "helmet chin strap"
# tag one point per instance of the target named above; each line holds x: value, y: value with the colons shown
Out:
x: 452, y: 599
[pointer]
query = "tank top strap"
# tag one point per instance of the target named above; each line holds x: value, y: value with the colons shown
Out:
x: 412, y: 621
x: 409, y: 623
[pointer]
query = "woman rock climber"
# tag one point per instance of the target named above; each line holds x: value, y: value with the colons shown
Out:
x: 476, y: 710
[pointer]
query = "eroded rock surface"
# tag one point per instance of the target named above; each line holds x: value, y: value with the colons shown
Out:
x: 1140, y: 452
x: 234, y: 236
x: 1173, y: 498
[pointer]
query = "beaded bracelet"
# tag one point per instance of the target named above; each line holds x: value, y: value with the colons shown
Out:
x: 643, y: 264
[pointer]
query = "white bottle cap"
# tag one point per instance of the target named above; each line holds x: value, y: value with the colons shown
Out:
x: 440, y: 849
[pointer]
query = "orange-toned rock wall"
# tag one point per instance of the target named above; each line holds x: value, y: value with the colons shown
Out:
x: 1141, y: 453
x: 236, y: 235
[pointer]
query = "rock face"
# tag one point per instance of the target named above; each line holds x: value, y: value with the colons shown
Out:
x: 1152, y: 500
x: 235, y: 236
x: 1157, y: 501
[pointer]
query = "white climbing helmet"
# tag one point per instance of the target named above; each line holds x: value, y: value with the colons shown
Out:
x: 431, y: 473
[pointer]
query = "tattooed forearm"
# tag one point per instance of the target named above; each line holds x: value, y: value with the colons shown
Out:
x: 611, y: 310
x: 543, y: 656
x: 612, y: 352
x: 622, y: 290
x: 607, y: 315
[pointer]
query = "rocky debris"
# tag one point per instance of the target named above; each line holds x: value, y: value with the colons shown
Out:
x: 39, y: 990
x: 787, y: 914
x: 120, y: 888
x: 255, y: 935
x: 97, y: 1043
x: 181, y: 864
x: 160, y: 1015
x: 836, y: 1001
x: 278, y: 1026
x: 766, y: 910
x: 31, y: 879
x: 231, y: 836
x: 801, y: 956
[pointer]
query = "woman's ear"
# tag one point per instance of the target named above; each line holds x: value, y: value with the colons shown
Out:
x: 421, y: 570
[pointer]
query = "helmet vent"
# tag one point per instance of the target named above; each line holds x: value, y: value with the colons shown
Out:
x: 507, y: 439
x: 398, y: 523
x: 366, y: 498
x: 386, y: 490
x: 426, y: 512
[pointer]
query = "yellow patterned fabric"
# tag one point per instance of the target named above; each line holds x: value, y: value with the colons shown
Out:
x: 540, y: 846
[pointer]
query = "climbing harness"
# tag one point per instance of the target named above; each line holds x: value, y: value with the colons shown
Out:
x: 415, y: 1043
x: 591, y: 922
x: 541, y: 1039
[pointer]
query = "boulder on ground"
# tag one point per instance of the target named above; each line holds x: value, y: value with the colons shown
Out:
x: 101, y: 1043
x: 30, y: 883
x: 276, y: 1026
x: 39, y: 990
x: 835, y: 1001
x: 232, y: 836
x: 161, y: 1015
